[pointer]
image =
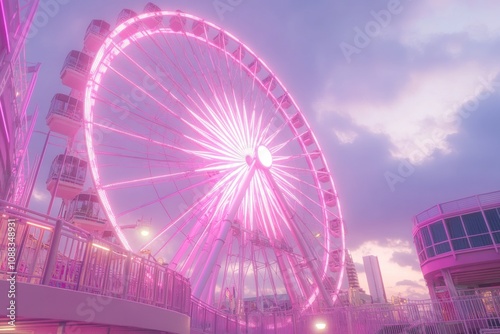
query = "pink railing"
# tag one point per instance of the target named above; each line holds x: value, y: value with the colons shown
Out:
x: 458, y: 206
x: 54, y: 253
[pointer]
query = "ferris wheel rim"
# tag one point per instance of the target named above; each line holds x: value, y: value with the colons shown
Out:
x: 89, y: 104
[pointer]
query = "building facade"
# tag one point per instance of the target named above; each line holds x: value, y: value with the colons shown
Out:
x: 374, y: 277
x: 458, y: 245
x: 17, y: 80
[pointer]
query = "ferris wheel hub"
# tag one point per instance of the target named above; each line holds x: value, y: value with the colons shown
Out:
x: 264, y: 156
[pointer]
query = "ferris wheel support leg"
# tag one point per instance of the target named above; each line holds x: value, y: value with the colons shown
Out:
x: 223, y: 232
x: 213, y: 282
x: 300, y: 241
x: 287, y: 278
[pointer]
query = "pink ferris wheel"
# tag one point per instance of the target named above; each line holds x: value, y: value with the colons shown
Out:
x: 186, y: 126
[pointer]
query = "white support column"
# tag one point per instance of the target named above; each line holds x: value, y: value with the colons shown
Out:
x: 286, y: 278
x: 223, y: 232
x: 304, y: 249
x: 449, y: 283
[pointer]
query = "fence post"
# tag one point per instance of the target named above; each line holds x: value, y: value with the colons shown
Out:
x: 126, y: 274
x: 52, y: 256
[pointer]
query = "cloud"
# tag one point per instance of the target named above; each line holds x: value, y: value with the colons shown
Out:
x: 407, y: 282
x: 410, y: 96
x: 405, y: 259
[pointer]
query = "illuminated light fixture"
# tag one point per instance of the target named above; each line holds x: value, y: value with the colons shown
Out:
x: 4, y: 215
x: 142, y: 225
x: 317, y: 235
x: 40, y: 226
x: 320, y: 325
x: 265, y: 157
x: 101, y: 247
x: 144, y: 231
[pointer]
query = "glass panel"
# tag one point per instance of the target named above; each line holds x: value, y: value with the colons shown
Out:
x: 437, y: 231
x: 430, y: 252
x: 474, y: 223
x: 422, y: 256
x: 481, y: 240
x: 443, y: 248
x: 418, y: 243
x: 493, y: 219
x: 455, y: 227
x: 496, y: 236
x: 459, y: 244
x: 426, y: 237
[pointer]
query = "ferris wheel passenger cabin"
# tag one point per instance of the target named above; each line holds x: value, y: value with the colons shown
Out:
x: 96, y: 32
x: 71, y: 172
x: 75, y: 69
x: 85, y: 212
x: 65, y: 115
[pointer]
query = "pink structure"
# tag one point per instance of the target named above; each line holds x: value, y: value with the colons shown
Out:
x: 458, y: 245
x: 186, y: 125
x: 186, y: 120
x: 17, y: 80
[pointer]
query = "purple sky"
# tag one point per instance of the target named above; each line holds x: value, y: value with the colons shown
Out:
x: 403, y: 96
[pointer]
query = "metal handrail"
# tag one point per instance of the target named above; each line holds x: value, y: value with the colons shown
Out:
x: 458, y: 206
x: 56, y: 253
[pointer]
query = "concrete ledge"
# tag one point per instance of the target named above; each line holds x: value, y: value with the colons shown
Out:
x: 45, y: 302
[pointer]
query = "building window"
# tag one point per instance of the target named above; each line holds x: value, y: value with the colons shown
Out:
x: 457, y: 233
x: 437, y: 231
x: 426, y: 237
x: 493, y: 219
x: 438, y: 234
x: 476, y: 229
x: 455, y: 227
x: 481, y: 240
x: 474, y: 223
x: 459, y: 244
x: 443, y: 247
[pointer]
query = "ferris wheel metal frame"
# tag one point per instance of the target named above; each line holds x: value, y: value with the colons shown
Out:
x: 307, y: 250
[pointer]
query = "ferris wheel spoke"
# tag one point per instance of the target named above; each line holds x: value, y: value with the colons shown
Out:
x: 157, y: 200
x: 159, y: 103
x: 186, y: 59
x: 287, y: 177
x: 137, y: 136
x: 286, y: 187
x: 288, y: 158
x: 225, y: 107
x: 201, y: 228
x: 174, y: 223
x: 213, y: 106
x: 154, y: 99
x: 147, y: 180
x: 198, y: 233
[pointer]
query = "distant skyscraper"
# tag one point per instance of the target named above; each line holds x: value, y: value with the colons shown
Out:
x: 352, y: 274
x: 374, y: 277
